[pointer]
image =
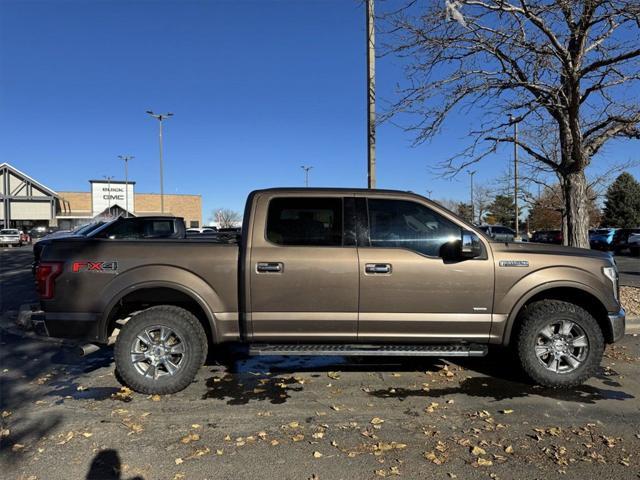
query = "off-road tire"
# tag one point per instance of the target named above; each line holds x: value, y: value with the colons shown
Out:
x: 192, y: 335
x: 534, y: 318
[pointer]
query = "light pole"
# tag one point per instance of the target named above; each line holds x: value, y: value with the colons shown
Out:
x: 126, y: 159
x: 515, y: 174
x: 306, y: 174
x: 473, y: 213
x: 108, y: 178
x: 160, y: 117
x: 371, y: 95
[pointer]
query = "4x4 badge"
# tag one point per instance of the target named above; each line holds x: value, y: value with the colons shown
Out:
x: 514, y: 263
x: 98, y: 267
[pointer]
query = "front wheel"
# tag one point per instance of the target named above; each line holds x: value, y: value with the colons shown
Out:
x: 560, y: 345
x: 160, y: 350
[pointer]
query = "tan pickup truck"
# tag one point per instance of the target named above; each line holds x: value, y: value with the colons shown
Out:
x: 332, y: 272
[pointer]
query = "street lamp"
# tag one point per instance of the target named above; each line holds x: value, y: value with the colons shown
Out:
x: 513, y: 120
x: 160, y: 117
x: 306, y: 174
x: 126, y: 159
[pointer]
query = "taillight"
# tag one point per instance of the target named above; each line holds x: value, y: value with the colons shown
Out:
x: 46, y: 274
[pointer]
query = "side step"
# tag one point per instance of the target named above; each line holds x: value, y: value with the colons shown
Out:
x: 355, y: 349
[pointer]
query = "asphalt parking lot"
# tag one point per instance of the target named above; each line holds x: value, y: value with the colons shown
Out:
x: 65, y: 416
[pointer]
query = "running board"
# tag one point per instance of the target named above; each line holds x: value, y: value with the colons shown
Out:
x: 427, y: 350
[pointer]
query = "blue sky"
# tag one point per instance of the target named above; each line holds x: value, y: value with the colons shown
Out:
x: 258, y: 89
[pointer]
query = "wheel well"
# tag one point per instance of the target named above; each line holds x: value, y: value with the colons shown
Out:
x: 572, y: 295
x: 148, y: 297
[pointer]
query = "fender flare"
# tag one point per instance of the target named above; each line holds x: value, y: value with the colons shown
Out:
x: 211, y: 319
x: 513, y: 314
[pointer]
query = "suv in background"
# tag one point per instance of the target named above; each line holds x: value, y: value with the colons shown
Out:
x: 500, y: 233
x: 602, y: 239
x: 548, y: 236
x: 621, y: 239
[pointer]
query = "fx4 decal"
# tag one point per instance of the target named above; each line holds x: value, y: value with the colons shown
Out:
x: 98, y: 267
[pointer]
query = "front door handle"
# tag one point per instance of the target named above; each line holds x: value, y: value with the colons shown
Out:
x: 269, y: 267
x: 377, y: 268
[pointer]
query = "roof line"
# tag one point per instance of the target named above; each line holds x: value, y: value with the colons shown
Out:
x: 31, y: 179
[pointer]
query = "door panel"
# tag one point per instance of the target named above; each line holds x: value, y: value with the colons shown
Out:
x: 423, y: 298
x: 302, y: 292
x: 412, y: 287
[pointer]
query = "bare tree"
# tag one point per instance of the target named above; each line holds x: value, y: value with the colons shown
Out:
x: 226, y: 218
x: 564, y: 68
x: 482, y: 198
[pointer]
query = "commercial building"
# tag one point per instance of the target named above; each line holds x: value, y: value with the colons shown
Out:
x: 27, y: 203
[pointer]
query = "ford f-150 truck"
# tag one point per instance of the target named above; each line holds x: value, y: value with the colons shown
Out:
x: 332, y: 272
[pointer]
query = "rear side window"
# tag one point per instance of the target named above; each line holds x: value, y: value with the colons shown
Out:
x: 410, y: 225
x: 308, y: 221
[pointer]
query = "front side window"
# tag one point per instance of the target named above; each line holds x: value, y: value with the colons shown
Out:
x: 305, y: 221
x: 410, y: 225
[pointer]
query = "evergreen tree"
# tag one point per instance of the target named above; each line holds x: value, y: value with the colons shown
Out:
x: 622, y: 206
x: 503, y: 210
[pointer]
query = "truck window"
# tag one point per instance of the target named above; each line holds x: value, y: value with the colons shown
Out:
x: 410, y: 225
x: 305, y: 221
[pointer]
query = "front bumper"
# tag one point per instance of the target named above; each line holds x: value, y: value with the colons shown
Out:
x: 76, y: 326
x: 617, y: 321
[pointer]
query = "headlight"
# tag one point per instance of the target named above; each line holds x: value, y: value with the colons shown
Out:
x: 612, y: 274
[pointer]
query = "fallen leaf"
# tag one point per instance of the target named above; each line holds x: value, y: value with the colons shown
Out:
x: 506, y: 411
x: 297, y: 438
x: 478, y: 451
x: 6, y: 413
x: 191, y: 437
x: 178, y: 461
x: 508, y: 449
x: 333, y: 375
x: 317, y: 454
x: 376, y: 421
x: 17, y: 447
x: 155, y: 398
x: 484, y: 462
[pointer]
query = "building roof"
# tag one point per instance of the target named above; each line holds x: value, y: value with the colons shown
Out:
x: 15, y: 171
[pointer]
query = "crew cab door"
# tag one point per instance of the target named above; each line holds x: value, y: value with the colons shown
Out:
x: 413, y: 285
x: 303, y: 270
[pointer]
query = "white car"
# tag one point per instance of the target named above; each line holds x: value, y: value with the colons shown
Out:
x: 10, y: 237
x: 634, y: 244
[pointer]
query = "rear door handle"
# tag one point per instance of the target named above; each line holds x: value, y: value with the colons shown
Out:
x: 269, y: 267
x: 377, y: 268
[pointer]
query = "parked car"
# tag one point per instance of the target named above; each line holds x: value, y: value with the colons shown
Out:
x: 621, y: 239
x: 10, y: 237
x: 332, y: 272
x: 82, y: 230
x: 133, y: 228
x: 548, y: 236
x: 197, y: 230
x: 502, y: 234
x: 634, y: 244
x: 602, y: 239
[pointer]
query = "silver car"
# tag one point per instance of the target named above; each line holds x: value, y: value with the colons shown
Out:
x: 10, y: 236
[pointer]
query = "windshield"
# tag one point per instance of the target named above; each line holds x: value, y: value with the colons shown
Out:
x: 8, y: 232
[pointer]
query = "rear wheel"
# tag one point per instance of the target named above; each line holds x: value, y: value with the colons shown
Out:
x: 160, y: 350
x: 560, y: 344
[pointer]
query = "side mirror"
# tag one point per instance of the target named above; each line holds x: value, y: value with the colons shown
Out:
x: 470, y: 246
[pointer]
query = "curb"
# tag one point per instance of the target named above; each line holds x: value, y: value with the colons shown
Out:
x: 632, y: 325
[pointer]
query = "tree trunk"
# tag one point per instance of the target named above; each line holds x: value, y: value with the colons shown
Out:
x: 574, y: 187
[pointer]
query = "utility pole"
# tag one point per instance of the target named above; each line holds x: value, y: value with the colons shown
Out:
x: 473, y: 213
x: 160, y: 117
x: 515, y: 174
x: 429, y: 192
x: 108, y: 178
x: 306, y: 174
x: 126, y: 159
x: 371, y: 95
